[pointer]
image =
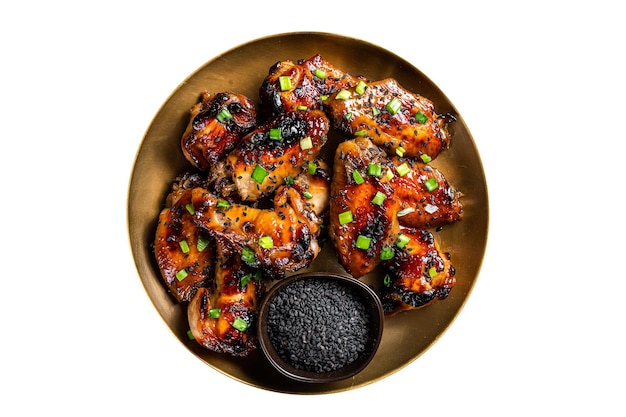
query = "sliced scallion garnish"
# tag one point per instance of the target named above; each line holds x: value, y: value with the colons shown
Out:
x: 431, y: 184
x: 403, y: 169
x: 345, y: 217
x: 306, y: 143
x: 259, y: 173
x: 184, y: 246
x: 285, y: 83
x: 247, y: 255
x: 224, y: 115
x: 360, y: 87
x: 214, y: 313
x: 386, y: 254
x: 374, y: 170
x: 343, y: 95
x: 319, y: 73
x: 202, y: 243
x: 182, y: 274
x: 363, y: 242
x: 421, y: 117
x: 240, y: 324
x: 276, y: 133
x: 425, y: 158
x: 402, y: 241
x: 357, y: 177
x: 378, y: 198
x: 266, y: 242
x: 394, y: 105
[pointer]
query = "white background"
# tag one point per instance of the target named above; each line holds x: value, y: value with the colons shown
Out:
x: 540, y: 85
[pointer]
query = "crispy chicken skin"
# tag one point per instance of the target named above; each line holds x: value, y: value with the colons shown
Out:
x: 281, y: 239
x: 419, y: 274
x: 176, y: 249
x: 216, y: 314
x: 413, y: 126
x: 217, y: 124
x: 309, y: 80
x: 302, y: 135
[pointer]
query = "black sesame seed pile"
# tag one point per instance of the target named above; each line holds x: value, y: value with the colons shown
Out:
x: 318, y: 325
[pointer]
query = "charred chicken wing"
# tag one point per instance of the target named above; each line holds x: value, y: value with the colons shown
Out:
x: 400, y: 121
x: 419, y: 274
x: 291, y: 86
x: 183, y: 251
x: 279, y: 240
x: 279, y: 149
x: 217, y: 124
x: 222, y: 318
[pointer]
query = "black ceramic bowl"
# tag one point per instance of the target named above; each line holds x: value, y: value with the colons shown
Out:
x: 320, y: 327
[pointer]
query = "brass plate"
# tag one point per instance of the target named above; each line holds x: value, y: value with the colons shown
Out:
x: 159, y: 159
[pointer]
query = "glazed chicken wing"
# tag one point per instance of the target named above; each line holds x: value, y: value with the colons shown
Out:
x: 290, y: 86
x: 279, y: 240
x: 223, y: 318
x: 372, y: 195
x: 279, y: 149
x: 399, y: 121
x: 419, y: 274
x: 217, y: 124
x: 183, y: 251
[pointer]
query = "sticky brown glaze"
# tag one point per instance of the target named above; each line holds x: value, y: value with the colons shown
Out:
x: 368, y: 114
x: 279, y: 159
x: 207, y: 139
x: 308, y: 86
x: 418, y: 274
x: 234, y: 299
x: 291, y: 224
x: 176, y: 225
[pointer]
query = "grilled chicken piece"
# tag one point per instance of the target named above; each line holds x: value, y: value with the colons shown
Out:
x: 398, y: 120
x: 184, y: 252
x: 217, y: 124
x: 373, y: 195
x: 223, y: 318
x: 419, y: 274
x: 309, y: 80
x: 279, y: 240
x: 260, y: 163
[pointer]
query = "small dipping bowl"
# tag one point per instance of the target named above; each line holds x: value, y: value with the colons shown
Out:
x: 320, y: 327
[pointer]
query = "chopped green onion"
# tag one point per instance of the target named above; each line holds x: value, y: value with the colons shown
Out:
x: 323, y: 97
x: 403, y: 169
x: 302, y: 108
x: 214, y: 313
x: 306, y: 143
x: 259, y: 173
x: 387, y: 280
x: 363, y: 242
x: 405, y: 211
x: 184, y: 246
x: 266, y: 242
x: 222, y: 203
x: 343, y: 95
x: 361, y: 132
x: 421, y: 117
x: 240, y: 324
x: 202, y: 243
x: 374, y: 170
x: 357, y: 177
x: 285, y: 83
x: 402, y: 241
x: 257, y: 275
x: 378, y: 198
x: 311, y: 168
x: 360, y: 87
x: 400, y: 151
x: 224, y: 115
x: 386, y: 254
x: 190, y: 335
x: 243, y: 281
x: 348, y: 116
x: 307, y: 194
x: 431, y: 184
x: 289, y: 180
x: 181, y: 275
x: 190, y: 208
x: 345, y: 217
x: 430, y: 208
x: 375, y: 111
x: 247, y: 255
x: 394, y: 105
x: 425, y: 158
x: 432, y: 272
x: 319, y: 73
x: 389, y: 174
x: 276, y: 133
